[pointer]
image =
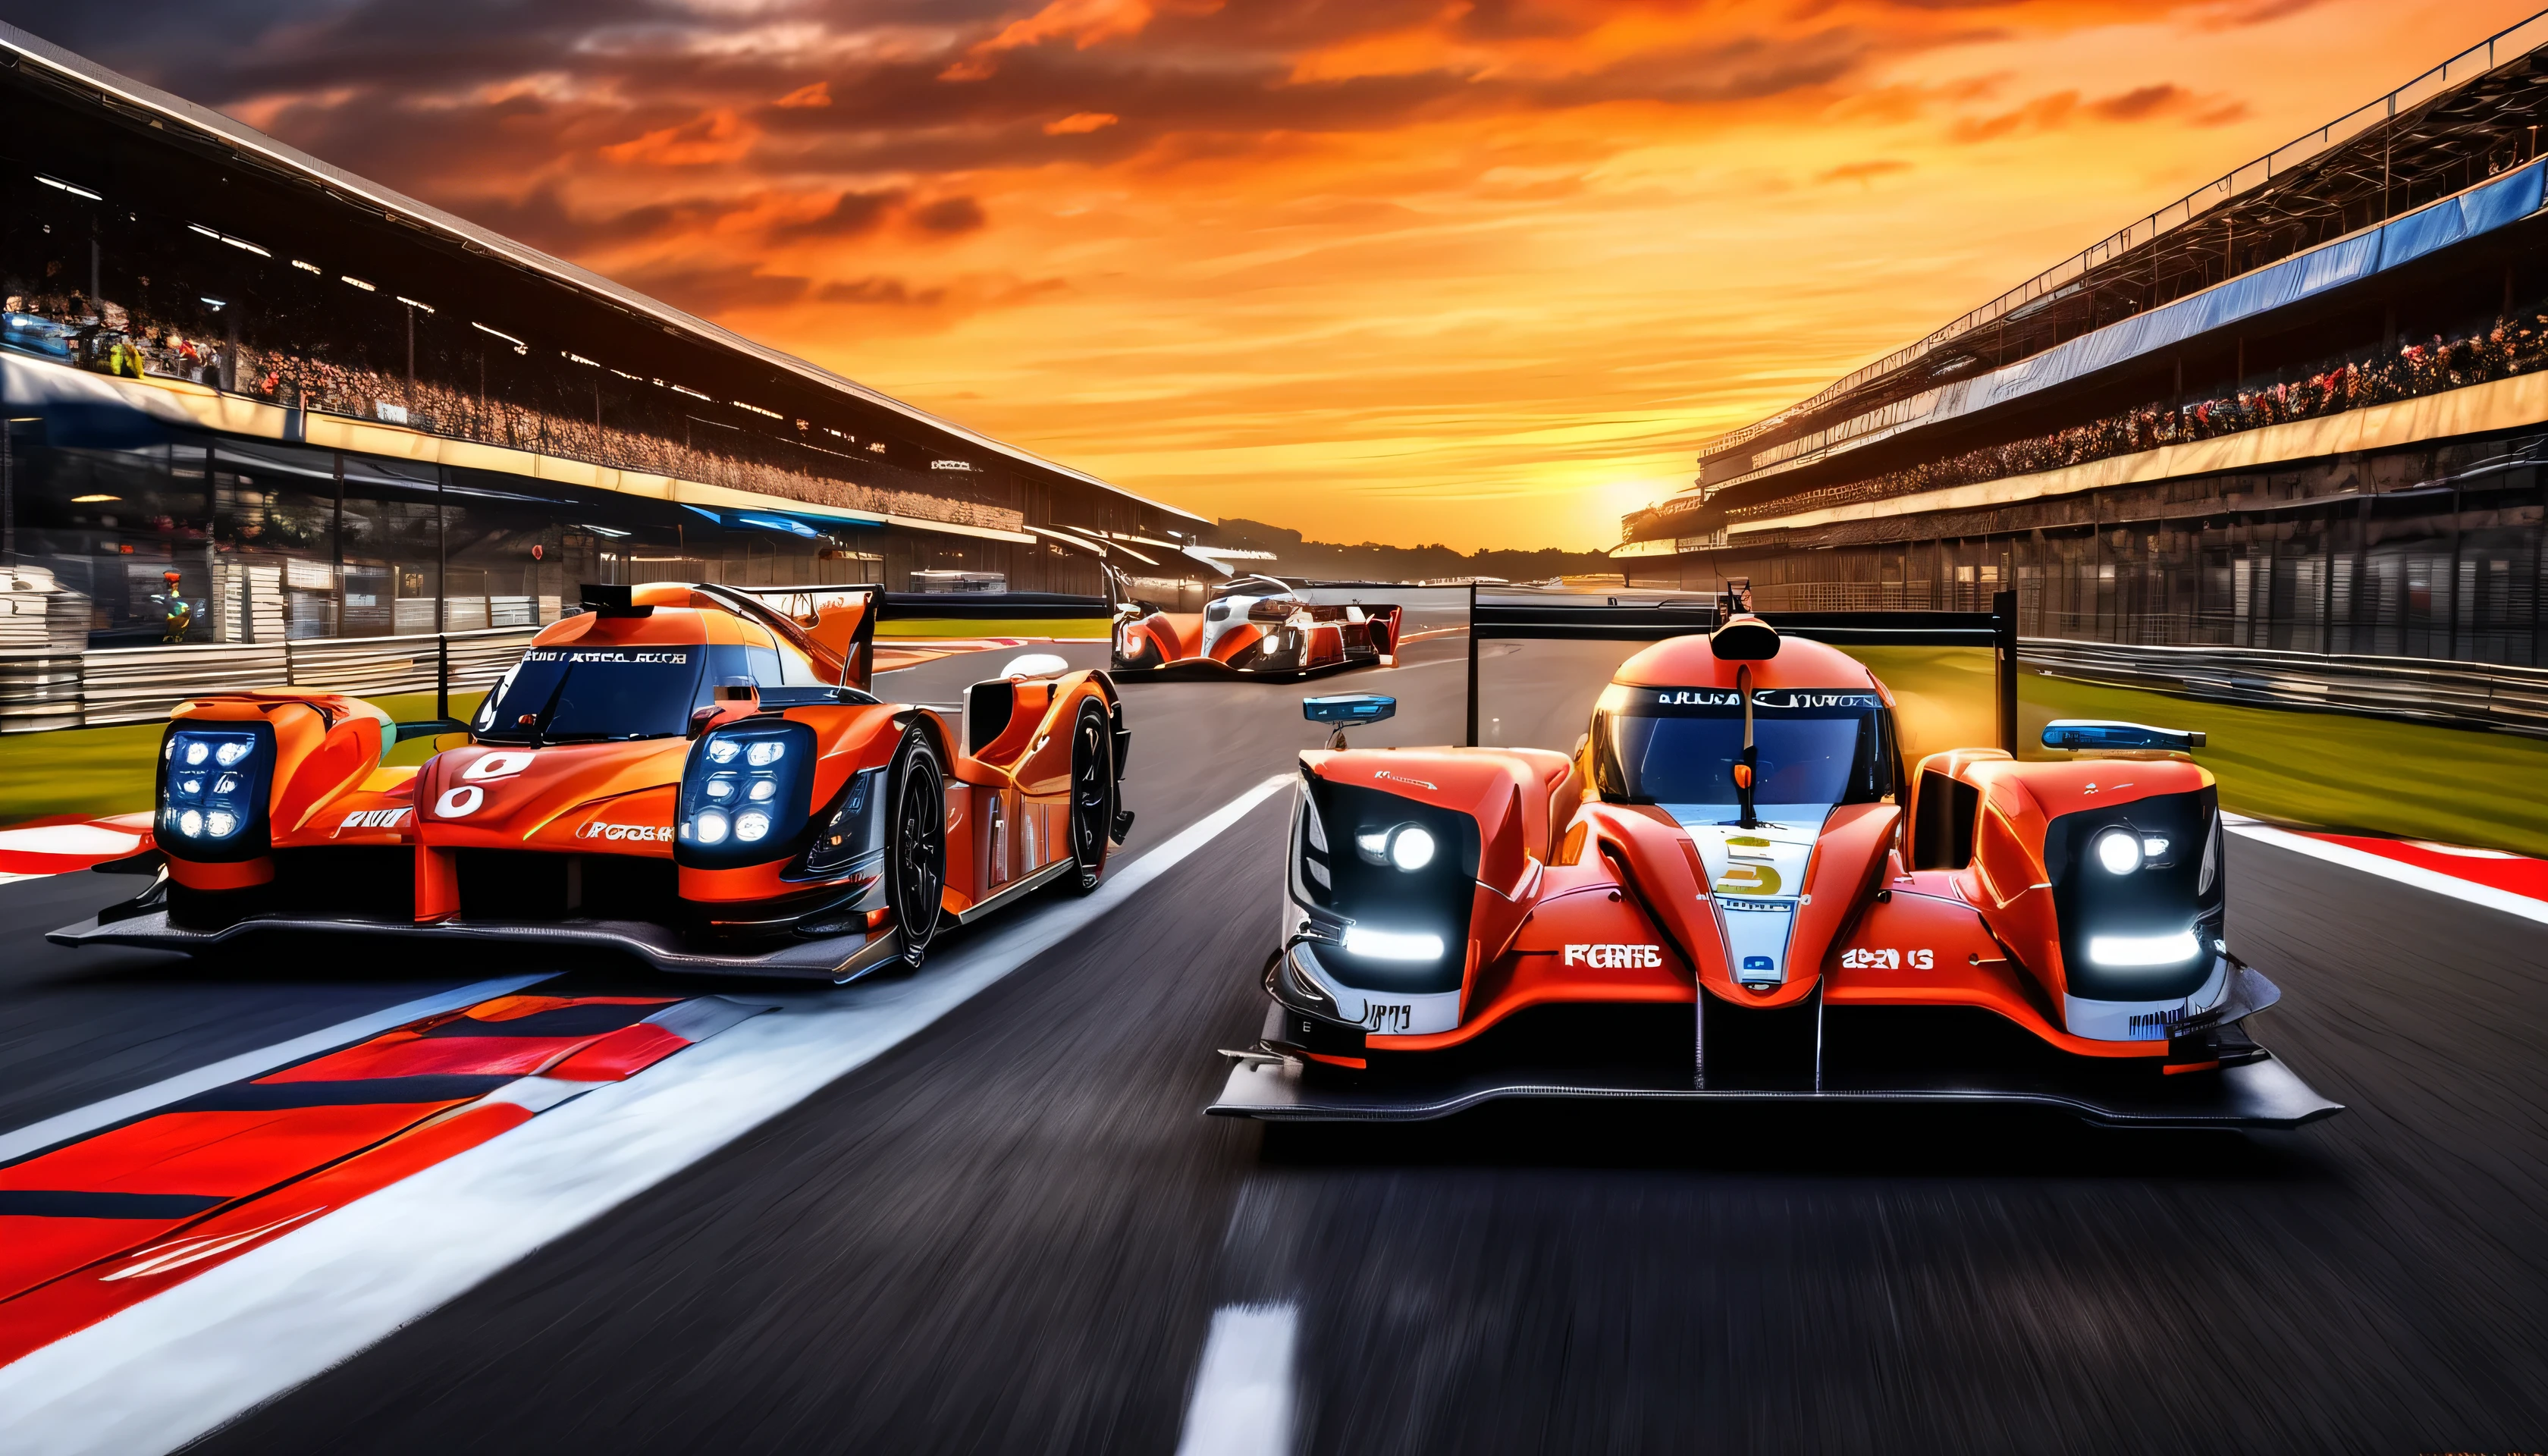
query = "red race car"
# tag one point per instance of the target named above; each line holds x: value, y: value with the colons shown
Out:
x: 681, y: 772
x: 1736, y: 888
x: 1259, y: 626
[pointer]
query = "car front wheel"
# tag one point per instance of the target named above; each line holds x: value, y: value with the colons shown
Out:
x: 916, y: 862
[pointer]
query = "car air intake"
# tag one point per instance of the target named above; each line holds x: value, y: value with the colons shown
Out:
x: 1388, y: 882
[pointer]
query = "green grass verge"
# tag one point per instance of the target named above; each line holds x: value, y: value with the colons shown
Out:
x: 109, y: 770
x: 2421, y: 780
x: 2329, y: 769
x: 2452, y: 785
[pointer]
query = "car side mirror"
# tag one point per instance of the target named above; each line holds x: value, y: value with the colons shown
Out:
x: 2081, y: 735
x: 1348, y: 707
x: 732, y: 697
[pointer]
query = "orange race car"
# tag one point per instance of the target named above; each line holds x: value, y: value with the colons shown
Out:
x: 1260, y: 626
x: 1736, y: 888
x: 683, y: 772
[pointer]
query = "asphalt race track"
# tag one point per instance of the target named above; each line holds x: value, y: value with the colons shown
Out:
x: 1013, y: 1230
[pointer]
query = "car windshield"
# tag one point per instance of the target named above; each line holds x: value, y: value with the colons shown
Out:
x: 1680, y: 746
x: 561, y: 694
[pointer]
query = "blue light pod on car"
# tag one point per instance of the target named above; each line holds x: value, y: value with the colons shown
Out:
x: 211, y: 790
x: 744, y: 794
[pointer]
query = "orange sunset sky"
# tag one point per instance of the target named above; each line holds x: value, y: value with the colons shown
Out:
x: 1485, y: 272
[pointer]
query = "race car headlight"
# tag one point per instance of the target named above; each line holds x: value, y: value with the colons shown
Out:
x: 2128, y: 951
x: 1384, y: 945
x: 745, y: 793
x: 2119, y: 851
x: 211, y: 790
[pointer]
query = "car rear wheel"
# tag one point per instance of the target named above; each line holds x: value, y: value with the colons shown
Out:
x: 916, y: 862
x: 1092, y: 795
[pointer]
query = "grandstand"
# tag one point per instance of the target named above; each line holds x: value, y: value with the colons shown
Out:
x: 2303, y: 408
x: 333, y: 411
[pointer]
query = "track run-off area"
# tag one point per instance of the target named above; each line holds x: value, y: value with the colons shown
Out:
x: 978, y: 1208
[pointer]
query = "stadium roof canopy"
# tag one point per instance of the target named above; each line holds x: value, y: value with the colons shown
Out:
x: 2470, y: 118
x: 249, y: 146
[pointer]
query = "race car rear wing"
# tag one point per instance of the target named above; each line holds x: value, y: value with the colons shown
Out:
x: 1612, y: 618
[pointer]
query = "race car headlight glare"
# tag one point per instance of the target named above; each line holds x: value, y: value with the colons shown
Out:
x: 2142, y: 950
x: 2119, y: 851
x: 189, y: 823
x: 745, y: 795
x: 220, y: 823
x: 1383, y: 944
x: 197, y: 751
x: 229, y: 754
x: 1410, y: 848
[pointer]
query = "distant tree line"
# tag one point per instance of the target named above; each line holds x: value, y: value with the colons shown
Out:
x: 1371, y: 561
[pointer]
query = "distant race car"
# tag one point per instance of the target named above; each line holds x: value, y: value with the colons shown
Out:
x: 1259, y: 626
x: 685, y: 773
x: 1735, y: 890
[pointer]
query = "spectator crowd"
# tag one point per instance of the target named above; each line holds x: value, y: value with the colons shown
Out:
x: 106, y: 337
x: 2509, y: 346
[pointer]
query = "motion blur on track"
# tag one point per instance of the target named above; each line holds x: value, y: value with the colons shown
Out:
x: 976, y: 1209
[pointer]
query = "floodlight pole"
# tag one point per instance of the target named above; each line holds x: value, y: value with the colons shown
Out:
x: 1472, y: 739
x: 2004, y: 633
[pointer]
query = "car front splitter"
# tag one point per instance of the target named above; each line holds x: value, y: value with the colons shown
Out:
x: 831, y: 959
x: 2259, y: 1094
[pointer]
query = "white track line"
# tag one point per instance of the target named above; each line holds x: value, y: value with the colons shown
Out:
x: 36, y: 1136
x: 166, y: 1371
x: 1243, y: 1392
x: 2397, y: 872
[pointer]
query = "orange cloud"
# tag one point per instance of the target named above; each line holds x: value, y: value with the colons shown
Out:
x: 1079, y: 122
x: 719, y: 136
x: 1866, y: 173
x: 1482, y: 271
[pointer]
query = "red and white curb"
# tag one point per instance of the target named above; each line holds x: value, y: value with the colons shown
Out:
x: 2515, y: 884
x: 42, y: 847
x: 158, y: 1374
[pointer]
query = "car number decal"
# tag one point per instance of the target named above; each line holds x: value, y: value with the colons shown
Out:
x: 1614, y: 957
x: 1387, y: 1015
x: 1887, y: 957
x: 459, y: 803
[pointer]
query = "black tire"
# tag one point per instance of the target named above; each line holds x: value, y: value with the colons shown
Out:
x: 916, y: 858
x: 1092, y: 795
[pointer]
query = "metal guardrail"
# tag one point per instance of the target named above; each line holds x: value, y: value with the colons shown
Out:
x: 139, y: 685
x: 2506, y: 699
x: 43, y: 689
x: 1610, y: 620
x: 39, y: 691
x: 142, y: 685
